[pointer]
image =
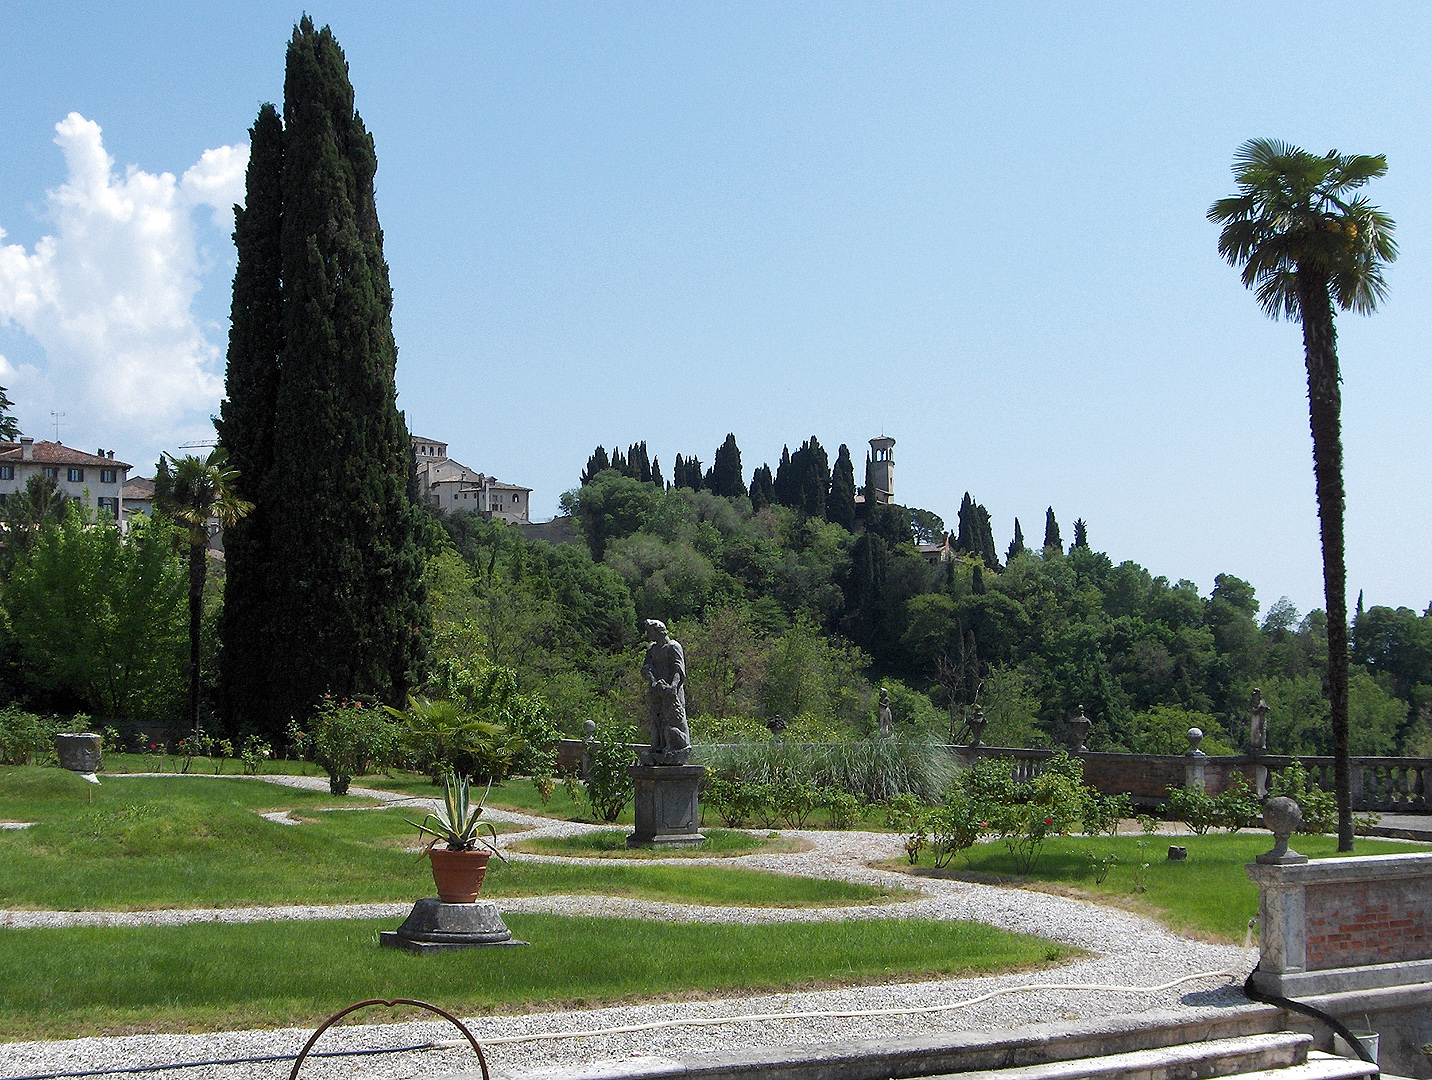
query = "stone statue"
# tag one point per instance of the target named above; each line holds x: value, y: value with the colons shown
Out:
x: 665, y: 673
x: 886, y: 717
x: 1258, y: 723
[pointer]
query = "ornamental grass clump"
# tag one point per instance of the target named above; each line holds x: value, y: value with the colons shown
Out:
x: 872, y: 769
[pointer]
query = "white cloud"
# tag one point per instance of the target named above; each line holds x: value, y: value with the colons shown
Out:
x: 109, y: 296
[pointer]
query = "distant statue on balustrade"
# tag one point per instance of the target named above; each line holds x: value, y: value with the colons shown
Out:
x: 665, y: 672
x: 1258, y: 711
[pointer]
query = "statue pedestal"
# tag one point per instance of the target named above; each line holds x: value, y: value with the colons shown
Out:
x: 433, y: 926
x: 666, y: 804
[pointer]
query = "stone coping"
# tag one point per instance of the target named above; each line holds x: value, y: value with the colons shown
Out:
x: 1306, y: 985
x: 1354, y: 868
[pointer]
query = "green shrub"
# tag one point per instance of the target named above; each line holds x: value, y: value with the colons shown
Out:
x: 254, y: 754
x: 794, y: 803
x: 1320, y: 808
x: 1102, y: 813
x: 903, y: 811
x: 441, y: 736
x: 1194, y: 806
x: 1236, y: 805
x: 953, y: 826
x: 350, y: 739
x: 843, y: 807
x: 24, y: 736
x: 1025, y: 814
x: 608, y: 785
x: 520, y: 736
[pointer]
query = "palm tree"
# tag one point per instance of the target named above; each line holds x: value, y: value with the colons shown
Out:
x: 194, y: 493
x: 1306, y: 239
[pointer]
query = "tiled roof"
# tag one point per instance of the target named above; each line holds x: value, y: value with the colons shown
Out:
x: 140, y: 487
x: 53, y: 453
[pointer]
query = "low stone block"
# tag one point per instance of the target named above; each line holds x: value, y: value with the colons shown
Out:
x: 433, y: 926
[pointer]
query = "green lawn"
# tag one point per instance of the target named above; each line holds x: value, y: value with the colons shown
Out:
x: 173, y: 763
x: 195, y: 842
x: 68, y: 983
x: 611, y: 844
x: 1208, y: 895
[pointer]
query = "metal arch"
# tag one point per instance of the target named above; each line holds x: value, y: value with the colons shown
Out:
x: 481, y: 1059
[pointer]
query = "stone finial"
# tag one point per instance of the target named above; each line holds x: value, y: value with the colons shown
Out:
x: 1284, y: 817
x: 1195, y: 736
x: 589, y: 730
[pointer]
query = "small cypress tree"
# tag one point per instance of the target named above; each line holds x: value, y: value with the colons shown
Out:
x: 868, y: 491
x: 1081, y: 534
x: 1051, y: 533
x: 763, y: 491
x: 619, y: 461
x: 1016, y: 546
x: 639, y: 463
x: 840, y: 504
x: 656, y: 473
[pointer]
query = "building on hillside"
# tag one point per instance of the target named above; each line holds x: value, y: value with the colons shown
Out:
x: 139, y: 497
x: 450, y: 485
x: 95, y: 480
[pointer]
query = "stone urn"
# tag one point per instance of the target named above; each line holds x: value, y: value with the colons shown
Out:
x: 1079, y: 726
x: 458, y: 874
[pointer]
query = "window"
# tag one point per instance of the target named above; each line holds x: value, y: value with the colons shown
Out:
x: 51, y: 474
x: 7, y: 472
x: 110, y: 506
x: 108, y: 476
x: 75, y: 476
x: 2, y: 498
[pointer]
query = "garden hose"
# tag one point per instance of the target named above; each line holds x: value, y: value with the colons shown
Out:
x: 656, y: 1025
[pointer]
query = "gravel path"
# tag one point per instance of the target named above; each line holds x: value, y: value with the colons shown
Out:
x: 1125, y: 950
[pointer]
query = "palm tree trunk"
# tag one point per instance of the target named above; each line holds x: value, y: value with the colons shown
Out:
x: 198, y: 568
x: 1325, y: 418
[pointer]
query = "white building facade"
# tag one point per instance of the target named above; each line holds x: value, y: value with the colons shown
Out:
x: 452, y: 486
x: 96, y: 481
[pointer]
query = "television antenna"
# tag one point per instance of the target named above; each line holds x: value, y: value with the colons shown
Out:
x: 55, y: 416
x: 197, y: 445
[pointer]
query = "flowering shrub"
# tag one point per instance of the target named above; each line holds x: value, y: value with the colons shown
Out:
x: 254, y: 754
x: 351, y: 738
x: 24, y: 736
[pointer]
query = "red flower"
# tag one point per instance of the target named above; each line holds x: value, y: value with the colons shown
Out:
x: 1049, y: 821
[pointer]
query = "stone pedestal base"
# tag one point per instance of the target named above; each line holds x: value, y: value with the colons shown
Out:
x: 433, y: 926
x: 666, y: 804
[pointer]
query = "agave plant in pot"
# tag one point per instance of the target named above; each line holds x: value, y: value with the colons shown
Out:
x: 458, y: 850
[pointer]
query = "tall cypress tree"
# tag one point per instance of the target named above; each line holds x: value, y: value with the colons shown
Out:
x: 967, y: 534
x: 726, y: 475
x: 840, y: 503
x: 595, y: 464
x: 763, y: 488
x: 656, y: 473
x: 785, y: 486
x: 1051, y: 533
x: 345, y: 604
x: 810, y: 472
x: 246, y: 426
x: 1016, y: 546
x: 986, y: 537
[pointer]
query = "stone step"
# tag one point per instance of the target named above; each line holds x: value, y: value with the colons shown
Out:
x: 1247, y: 1055
x: 1319, y: 1066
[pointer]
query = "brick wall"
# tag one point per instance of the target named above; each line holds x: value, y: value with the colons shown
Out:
x: 1367, y: 922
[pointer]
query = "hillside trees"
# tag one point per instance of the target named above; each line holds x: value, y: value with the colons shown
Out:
x: 329, y: 593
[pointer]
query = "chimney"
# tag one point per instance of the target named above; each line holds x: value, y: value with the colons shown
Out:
x: 99, y: 452
x: 110, y: 454
x: 27, y: 448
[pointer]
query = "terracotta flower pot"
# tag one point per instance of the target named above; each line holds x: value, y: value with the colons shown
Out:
x: 458, y: 874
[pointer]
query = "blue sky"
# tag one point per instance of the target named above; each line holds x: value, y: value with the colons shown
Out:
x: 979, y: 229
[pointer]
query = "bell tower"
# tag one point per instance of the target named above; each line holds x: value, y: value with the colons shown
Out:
x: 882, y: 470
